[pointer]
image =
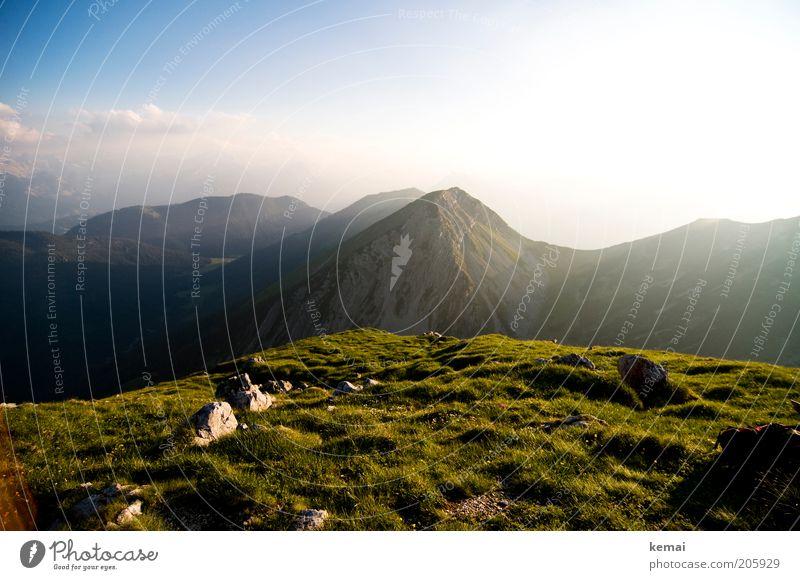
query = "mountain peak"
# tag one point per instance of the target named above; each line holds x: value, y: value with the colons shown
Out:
x: 451, y: 195
x: 441, y: 262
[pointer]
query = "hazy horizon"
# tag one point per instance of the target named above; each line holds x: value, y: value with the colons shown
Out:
x: 580, y: 125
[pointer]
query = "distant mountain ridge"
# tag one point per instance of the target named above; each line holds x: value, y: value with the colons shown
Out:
x: 139, y: 290
x: 214, y: 226
x: 399, y: 261
x: 81, y: 315
x: 698, y: 289
x: 28, y: 203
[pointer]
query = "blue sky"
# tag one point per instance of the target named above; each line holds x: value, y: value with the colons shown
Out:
x: 568, y: 118
x: 118, y: 56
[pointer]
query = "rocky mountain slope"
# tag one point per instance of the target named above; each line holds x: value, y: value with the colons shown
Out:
x: 446, y: 262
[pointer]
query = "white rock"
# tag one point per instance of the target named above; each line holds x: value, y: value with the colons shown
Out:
x: 346, y: 387
x: 213, y: 421
x: 129, y: 513
x: 309, y: 520
x: 251, y: 400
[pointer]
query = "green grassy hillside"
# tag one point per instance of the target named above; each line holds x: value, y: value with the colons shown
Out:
x: 450, y: 439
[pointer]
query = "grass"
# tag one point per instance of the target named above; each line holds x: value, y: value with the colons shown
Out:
x: 452, y: 422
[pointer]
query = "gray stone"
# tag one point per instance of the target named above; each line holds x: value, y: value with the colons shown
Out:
x: 309, y: 520
x: 113, y: 490
x: 213, y: 421
x: 240, y: 392
x: 129, y: 513
x: 583, y: 420
x: 89, y: 506
x: 234, y: 384
x: 251, y: 400
x: 371, y: 383
x: 575, y: 360
x: 642, y: 374
x: 346, y: 387
x: 277, y: 387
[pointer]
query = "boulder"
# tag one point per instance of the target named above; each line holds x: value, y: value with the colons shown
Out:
x: 642, y: 374
x: 129, y: 513
x: 240, y: 392
x: 575, y: 360
x: 233, y: 384
x: 371, y: 383
x: 213, y: 421
x: 309, y: 520
x: 252, y: 400
x: 113, y: 490
x: 277, y: 387
x: 91, y: 504
x: 346, y: 387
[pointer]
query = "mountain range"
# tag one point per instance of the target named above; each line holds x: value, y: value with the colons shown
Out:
x: 272, y: 270
x: 713, y: 287
x: 215, y: 226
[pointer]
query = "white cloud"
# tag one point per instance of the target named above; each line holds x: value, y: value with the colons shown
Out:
x: 12, y: 130
x: 147, y: 119
x: 6, y: 111
x: 152, y: 120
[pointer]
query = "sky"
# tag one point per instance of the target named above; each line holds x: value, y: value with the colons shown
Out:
x: 581, y: 123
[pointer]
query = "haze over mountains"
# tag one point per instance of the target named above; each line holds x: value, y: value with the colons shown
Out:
x: 30, y: 203
x: 217, y: 226
x: 400, y: 261
x: 708, y: 287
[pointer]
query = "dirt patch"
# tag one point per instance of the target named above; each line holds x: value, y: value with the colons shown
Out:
x: 481, y: 507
